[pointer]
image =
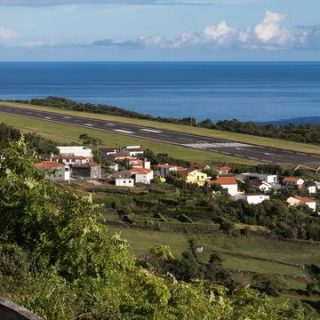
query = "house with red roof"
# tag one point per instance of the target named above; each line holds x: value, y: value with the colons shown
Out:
x: 294, y: 182
x: 142, y: 175
x: 297, y: 201
x: 227, y: 182
x: 225, y: 169
x: 54, y: 170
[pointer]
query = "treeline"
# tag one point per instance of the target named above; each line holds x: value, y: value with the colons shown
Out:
x: 38, y: 143
x: 306, y: 133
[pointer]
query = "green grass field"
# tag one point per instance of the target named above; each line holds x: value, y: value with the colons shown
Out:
x: 66, y: 134
x: 263, y: 141
x: 252, y: 248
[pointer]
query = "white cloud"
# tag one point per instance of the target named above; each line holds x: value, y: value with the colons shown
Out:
x: 219, y: 33
x: 265, y: 35
x: 7, y: 35
x: 270, y: 30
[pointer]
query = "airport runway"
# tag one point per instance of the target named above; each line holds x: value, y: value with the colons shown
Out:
x: 226, y: 147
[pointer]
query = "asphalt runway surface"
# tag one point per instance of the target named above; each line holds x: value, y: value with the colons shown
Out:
x: 225, y: 147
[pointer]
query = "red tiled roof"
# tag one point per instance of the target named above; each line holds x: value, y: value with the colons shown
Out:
x: 228, y: 180
x: 290, y: 179
x: 304, y: 199
x: 48, y: 165
x: 140, y: 171
x: 225, y: 168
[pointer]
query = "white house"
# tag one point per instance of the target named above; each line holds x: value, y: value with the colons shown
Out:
x: 55, y: 170
x: 82, y: 151
x: 70, y: 159
x: 114, y: 167
x: 142, y: 175
x: 253, y: 198
x: 311, y: 187
x: 229, y: 183
x: 133, y: 151
x: 268, y: 178
x: 124, y: 179
x: 298, y: 200
x: 261, y: 186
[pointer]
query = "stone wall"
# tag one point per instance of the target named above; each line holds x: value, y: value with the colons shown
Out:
x: 11, y: 311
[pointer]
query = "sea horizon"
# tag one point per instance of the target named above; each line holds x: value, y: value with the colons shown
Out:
x: 259, y: 91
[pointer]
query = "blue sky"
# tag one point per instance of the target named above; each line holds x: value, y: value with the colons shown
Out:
x: 159, y: 30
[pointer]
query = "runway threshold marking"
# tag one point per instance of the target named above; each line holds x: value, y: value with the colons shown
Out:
x: 123, y: 131
x: 151, y: 130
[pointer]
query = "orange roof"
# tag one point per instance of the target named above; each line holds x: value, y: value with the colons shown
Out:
x: 140, y: 171
x: 304, y: 199
x: 226, y: 180
x: 225, y: 168
x: 48, y: 165
x: 290, y: 179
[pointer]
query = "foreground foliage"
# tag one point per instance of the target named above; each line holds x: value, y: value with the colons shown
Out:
x: 58, y: 261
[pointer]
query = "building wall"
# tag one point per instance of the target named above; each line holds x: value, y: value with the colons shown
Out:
x: 256, y: 199
x: 231, y: 189
x: 124, y: 183
x: 76, y: 150
x: 144, y: 178
x: 197, y: 177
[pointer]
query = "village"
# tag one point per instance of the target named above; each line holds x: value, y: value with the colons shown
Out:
x: 128, y: 167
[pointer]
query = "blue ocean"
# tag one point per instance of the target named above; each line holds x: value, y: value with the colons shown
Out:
x: 268, y: 91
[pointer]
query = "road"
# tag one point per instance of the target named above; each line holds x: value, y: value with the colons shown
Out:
x: 226, y: 147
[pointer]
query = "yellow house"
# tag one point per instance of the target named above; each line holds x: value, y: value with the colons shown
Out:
x: 195, y: 176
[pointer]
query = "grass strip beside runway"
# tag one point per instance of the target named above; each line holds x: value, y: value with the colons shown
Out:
x: 238, y: 137
x: 66, y: 133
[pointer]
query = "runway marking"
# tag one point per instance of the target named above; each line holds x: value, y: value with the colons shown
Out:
x: 48, y: 118
x: 123, y: 131
x: 269, y: 154
x: 150, y: 130
x: 67, y: 117
x: 89, y: 124
x: 110, y: 124
x: 235, y: 145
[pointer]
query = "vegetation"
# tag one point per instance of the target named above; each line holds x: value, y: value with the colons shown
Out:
x: 306, y: 133
x: 41, y: 145
x: 58, y: 261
